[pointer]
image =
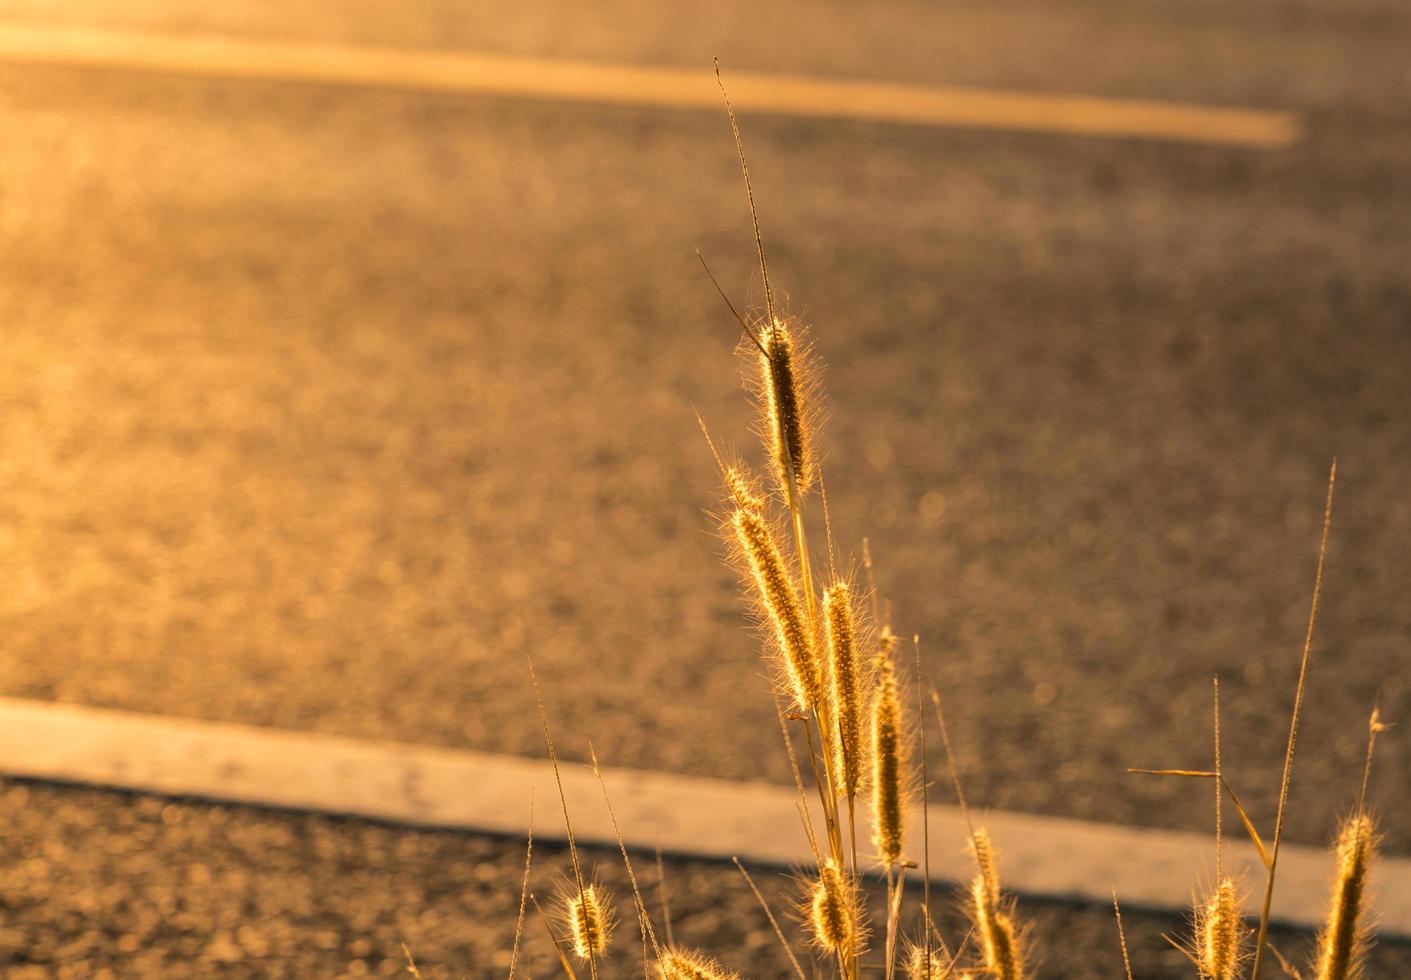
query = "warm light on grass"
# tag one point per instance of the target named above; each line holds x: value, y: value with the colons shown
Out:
x: 840, y: 701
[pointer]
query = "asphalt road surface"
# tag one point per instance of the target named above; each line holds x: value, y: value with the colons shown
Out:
x: 320, y: 407
x: 99, y: 884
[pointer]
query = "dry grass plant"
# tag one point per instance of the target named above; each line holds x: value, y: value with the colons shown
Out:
x: 840, y: 692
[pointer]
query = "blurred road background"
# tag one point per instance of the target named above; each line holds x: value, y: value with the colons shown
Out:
x: 320, y: 406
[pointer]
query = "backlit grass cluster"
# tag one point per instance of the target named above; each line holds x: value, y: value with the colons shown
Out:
x: 849, y: 697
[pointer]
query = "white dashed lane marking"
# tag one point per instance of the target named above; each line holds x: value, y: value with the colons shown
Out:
x: 583, y: 81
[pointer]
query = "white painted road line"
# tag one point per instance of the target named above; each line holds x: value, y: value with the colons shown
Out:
x: 792, y: 95
x: 424, y: 786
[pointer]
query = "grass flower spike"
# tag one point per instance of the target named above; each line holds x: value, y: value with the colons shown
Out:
x: 743, y: 491
x: 833, y: 911
x: 921, y: 965
x: 783, y: 394
x: 1219, y: 932
x: 781, y: 602
x: 680, y: 964
x: 1343, y: 941
x: 888, y: 764
x: 846, y: 675
x: 994, y: 926
x: 589, y: 922
x: 935, y: 965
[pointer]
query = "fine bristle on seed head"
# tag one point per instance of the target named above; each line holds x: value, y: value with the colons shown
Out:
x: 921, y: 965
x: 784, y: 394
x: 888, y: 762
x: 1220, y: 933
x: 781, y: 605
x: 833, y: 910
x: 845, y: 672
x: 886, y: 642
x: 984, y: 852
x: 681, y: 964
x: 1342, y: 943
x: 590, y: 921
x: 996, y: 932
x: 994, y: 924
x: 744, y: 494
x: 933, y: 965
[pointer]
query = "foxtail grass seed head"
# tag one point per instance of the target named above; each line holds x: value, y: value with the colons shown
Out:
x: 886, y: 643
x: 935, y: 965
x: 1343, y: 941
x: 996, y: 934
x: 984, y: 852
x: 994, y: 925
x: 786, y: 419
x: 681, y: 964
x: 781, y: 602
x: 921, y: 965
x: 1219, y: 933
x: 589, y: 922
x: 833, y: 910
x: 846, y: 690
x: 743, y: 491
x: 888, y: 762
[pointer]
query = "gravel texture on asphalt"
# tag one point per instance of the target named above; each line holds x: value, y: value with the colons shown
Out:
x: 98, y: 884
x: 320, y: 408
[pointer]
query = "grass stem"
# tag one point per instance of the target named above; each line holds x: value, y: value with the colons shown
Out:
x: 1293, y: 730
